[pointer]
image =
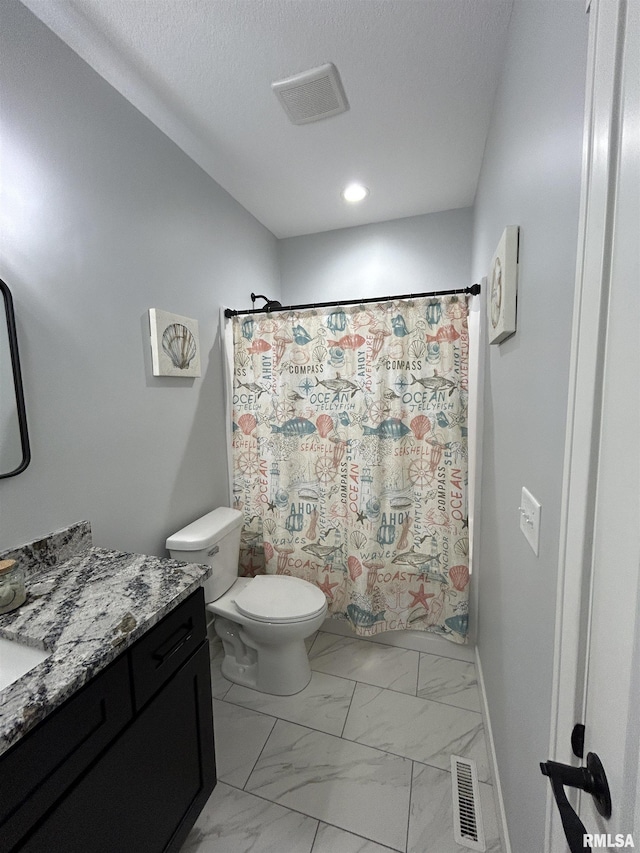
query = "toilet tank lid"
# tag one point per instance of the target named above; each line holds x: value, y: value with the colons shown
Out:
x: 205, y: 531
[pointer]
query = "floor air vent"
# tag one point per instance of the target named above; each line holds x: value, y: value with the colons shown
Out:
x: 467, y: 816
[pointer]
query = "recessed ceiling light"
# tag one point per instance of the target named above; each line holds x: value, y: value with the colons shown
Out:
x: 354, y: 193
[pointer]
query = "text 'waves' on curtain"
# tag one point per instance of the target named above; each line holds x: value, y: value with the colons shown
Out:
x: 350, y: 458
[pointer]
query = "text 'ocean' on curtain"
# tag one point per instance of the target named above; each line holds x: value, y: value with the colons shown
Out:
x: 350, y: 458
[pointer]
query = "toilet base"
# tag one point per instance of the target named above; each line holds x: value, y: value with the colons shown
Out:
x: 282, y: 684
x: 245, y: 675
x: 280, y: 669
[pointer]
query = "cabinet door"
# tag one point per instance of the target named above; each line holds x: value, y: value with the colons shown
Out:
x: 36, y: 772
x: 147, y: 791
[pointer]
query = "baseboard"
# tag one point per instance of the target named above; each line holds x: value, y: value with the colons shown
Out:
x: 491, y: 750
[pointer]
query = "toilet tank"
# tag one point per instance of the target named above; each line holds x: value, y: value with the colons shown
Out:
x: 213, y: 540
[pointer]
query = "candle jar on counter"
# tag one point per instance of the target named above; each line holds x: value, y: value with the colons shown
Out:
x: 12, y: 590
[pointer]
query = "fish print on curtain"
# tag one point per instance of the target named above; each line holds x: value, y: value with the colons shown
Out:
x: 350, y: 458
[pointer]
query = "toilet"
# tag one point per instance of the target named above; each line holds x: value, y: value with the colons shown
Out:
x: 262, y: 621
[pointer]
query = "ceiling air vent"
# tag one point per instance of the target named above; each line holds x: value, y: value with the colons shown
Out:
x: 312, y: 95
x: 468, y: 829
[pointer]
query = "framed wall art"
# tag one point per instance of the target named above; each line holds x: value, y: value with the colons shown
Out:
x: 503, y: 285
x: 175, y: 344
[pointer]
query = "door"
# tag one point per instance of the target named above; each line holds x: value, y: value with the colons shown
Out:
x: 598, y: 629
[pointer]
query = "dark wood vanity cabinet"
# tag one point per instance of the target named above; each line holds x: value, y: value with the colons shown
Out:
x: 127, y: 763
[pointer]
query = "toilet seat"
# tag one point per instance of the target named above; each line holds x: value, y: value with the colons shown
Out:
x: 280, y: 598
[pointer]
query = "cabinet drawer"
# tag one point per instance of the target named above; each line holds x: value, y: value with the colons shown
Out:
x: 45, y: 762
x: 164, y: 649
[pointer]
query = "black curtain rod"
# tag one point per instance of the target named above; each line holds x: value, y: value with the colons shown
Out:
x: 474, y: 290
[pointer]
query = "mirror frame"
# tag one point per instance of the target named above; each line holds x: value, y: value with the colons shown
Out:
x: 17, y: 382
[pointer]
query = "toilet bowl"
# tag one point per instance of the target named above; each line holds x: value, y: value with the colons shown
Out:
x: 262, y: 621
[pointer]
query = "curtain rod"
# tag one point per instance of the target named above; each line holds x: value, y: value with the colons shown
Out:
x: 271, y: 306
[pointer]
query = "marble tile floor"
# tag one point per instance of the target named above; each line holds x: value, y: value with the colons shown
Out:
x: 358, y: 762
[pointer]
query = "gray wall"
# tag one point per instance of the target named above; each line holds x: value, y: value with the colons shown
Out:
x: 103, y: 218
x: 409, y: 255
x: 530, y: 177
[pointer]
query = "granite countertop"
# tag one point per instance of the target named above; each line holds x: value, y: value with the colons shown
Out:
x: 85, y: 605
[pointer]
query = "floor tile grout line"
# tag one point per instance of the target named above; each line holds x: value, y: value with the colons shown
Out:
x: 304, y: 725
x: 405, y: 757
x: 423, y: 698
x: 237, y: 704
x: 380, y: 647
x: 372, y: 641
x: 377, y: 642
x: 372, y: 644
x: 360, y: 681
x: 403, y: 692
x: 449, y: 704
x: 355, y: 681
x: 447, y: 657
x: 274, y: 803
x: 219, y: 698
x: 244, y: 708
x: 349, y: 740
x: 275, y: 720
x: 346, y: 716
x: 406, y: 841
x: 315, y: 639
x: 356, y: 834
x: 315, y: 834
x: 319, y: 820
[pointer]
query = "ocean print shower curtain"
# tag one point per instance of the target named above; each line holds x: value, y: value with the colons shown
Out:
x: 350, y: 458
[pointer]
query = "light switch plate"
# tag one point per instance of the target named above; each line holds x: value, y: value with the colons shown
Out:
x: 530, y: 510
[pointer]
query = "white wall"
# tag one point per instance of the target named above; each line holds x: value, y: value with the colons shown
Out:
x: 412, y: 255
x: 530, y: 177
x: 103, y: 218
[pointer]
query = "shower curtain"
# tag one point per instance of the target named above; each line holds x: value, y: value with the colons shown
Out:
x: 350, y: 458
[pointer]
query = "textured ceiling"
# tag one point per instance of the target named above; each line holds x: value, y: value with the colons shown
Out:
x: 420, y: 77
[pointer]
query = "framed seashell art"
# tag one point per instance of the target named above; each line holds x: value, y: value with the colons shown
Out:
x: 175, y: 344
x: 503, y: 282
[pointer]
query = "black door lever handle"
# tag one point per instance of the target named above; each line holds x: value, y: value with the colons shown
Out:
x: 591, y: 779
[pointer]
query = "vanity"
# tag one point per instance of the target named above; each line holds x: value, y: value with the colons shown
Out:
x: 107, y: 743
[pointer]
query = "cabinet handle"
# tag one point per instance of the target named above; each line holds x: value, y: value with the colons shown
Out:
x: 171, y: 646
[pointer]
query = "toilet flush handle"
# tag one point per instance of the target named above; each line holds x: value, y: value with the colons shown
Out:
x: 213, y: 551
